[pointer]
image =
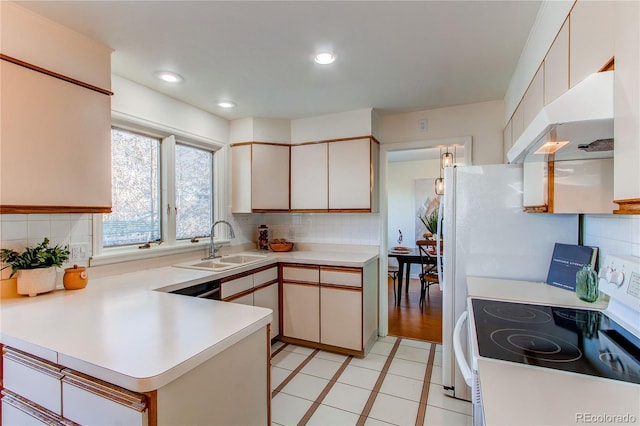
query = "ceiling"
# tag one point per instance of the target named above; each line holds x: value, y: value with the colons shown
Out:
x: 394, y: 56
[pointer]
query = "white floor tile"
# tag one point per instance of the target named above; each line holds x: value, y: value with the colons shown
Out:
x: 416, y: 343
x: 287, y: 409
x: 299, y: 349
x: 437, y: 360
x: 359, y: 376
x: 346, y: 397
x: 305, y: 386
x: 436, y: 375
x: 325, y: 416
x: 387, y: 339
x: 321, y: 368
x: 438, y: 348
x: 371, y: 361
x: 277, y: 345
x: 403, y: 387
x: 381, y: 348
x: 288, y: 360
x: 375, y: 422
x: 331, y: 356
x: 413, y: 354
x: 277, y: 376
x: 397, y: 411
x: 439, y: 399
x: 435, y: 416
x: 411, y: 369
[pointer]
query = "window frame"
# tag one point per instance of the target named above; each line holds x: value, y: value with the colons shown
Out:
x: 169, y: 138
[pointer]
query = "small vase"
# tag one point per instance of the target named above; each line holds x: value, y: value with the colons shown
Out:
x: 35, y: 281
x: 587, y: 284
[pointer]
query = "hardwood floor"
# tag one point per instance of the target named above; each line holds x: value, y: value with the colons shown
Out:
x: 408, y: 321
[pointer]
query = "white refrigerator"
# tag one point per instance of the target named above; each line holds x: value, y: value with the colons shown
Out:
x: 487, y: 234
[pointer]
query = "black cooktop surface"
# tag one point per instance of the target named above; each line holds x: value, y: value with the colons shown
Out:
x: 575, y: 340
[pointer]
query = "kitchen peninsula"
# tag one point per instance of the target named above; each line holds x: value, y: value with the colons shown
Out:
x: 122, y: 348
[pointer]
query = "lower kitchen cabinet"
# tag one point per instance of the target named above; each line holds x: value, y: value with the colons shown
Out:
x: 341, y: 317
x: 267, y: 296
x: 301, y: 311
x: 330, y: 307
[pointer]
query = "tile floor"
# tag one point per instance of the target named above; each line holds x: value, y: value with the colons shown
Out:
x: 397, y: 383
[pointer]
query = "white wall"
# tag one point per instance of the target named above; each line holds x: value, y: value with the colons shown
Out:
x: 333, y: 126
x: 483, y: 121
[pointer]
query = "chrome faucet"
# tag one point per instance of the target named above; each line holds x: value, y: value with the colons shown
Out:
x: 214, y: 248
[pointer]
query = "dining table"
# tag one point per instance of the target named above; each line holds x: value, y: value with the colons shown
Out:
x: 405, y: 259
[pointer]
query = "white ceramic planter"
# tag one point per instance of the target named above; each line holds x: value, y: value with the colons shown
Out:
x: 35, y: 281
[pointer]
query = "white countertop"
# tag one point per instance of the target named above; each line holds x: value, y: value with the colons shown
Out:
x: 119, y: 330
x: 518, y: 394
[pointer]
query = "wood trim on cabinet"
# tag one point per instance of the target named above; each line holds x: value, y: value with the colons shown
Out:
x: 610, y: 65
x: 258, y: 143
x: 536, y: 209
x: 109, y: 391
x: 238, y: 295
x: 24, y: 209
x: 40, y: 365
x: 350, y: 269
x: 53, y: 74
x: 264, y: 285
x: 551, y: 179
x: 628, y: 206
x: 269, y: 373
x: 250, y: 272
x: 341, y: 287
x: 305, y: 283
x: 34, y: 410
x: 322, y: 346
x: 152, y: 407
x: 350, y: 210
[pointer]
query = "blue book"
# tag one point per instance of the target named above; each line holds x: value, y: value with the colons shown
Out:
x: 566, y: 261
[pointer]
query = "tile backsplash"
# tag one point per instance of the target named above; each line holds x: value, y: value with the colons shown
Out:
x: 613, y: 234
x: 18, y: 231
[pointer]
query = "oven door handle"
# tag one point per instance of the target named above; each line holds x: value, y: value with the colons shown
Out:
x: 459, y: 353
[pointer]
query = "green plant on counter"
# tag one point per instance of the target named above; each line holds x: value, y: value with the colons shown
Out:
x: 40, y: 256
x: 430, y: 221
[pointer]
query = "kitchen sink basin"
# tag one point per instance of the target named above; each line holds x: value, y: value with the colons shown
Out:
x: 223, y: 263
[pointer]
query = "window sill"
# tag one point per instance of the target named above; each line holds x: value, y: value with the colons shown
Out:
x: 131, y: 253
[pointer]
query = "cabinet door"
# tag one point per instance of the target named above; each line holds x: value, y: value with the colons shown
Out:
x: 350, y: 175
x: 517, y: 124
x: 247, y: 299
x: 309, y: 177
x: 591, y: 37
x: 301, y: 311
x: 241, y: 179
x: 506, y: 139
x: 556, y: 66
x: 532, y: 102
x: 56, y: 143
x: 267, y: 297
x: 269, y: 177
x: 341, y: 317
x: 235, y: 286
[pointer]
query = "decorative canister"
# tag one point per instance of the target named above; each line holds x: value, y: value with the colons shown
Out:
x: 75, y: 278
x: 263, y: 237
x: 587, y: 284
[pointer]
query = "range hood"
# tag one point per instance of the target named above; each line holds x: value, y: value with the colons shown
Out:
x: 579, y: 124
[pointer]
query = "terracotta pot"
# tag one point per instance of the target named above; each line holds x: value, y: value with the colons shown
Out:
x: 34, y: 281
x: 75, y: 278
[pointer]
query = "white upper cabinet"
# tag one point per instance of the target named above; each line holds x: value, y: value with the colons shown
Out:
x: 556, y: 66
x: 260, y: 177
x: 533, y: 102
x: 627, y: 108
x: 591, y: 38
x: 352, y: 175
x: 309, y: 177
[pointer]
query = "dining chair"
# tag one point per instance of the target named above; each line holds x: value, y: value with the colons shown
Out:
x: 392, y: 269
x: 429, y: 264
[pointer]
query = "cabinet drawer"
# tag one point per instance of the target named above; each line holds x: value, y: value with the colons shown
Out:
x: 21, y: 412
x: 266, y: 276
x: 307, y: 274
x: 86, y: 399
x: 33, y: 378
x: 236, y: 286
x: 247, y: 299
x: 341, y: 276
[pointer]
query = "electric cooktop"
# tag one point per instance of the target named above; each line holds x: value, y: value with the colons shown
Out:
x: 573, y: 340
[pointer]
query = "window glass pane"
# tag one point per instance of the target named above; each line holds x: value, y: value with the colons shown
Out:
x: 194, y: 191
x: 135, y: 185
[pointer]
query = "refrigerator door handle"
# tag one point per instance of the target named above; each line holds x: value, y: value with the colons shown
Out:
x: 459, y: 353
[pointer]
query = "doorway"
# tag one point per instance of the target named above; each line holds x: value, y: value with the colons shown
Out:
x: 408, y: 172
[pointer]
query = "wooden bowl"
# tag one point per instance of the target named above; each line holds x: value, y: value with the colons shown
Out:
x: 281, y: 246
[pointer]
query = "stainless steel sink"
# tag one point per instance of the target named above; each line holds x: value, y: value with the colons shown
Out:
x: 223, y: 263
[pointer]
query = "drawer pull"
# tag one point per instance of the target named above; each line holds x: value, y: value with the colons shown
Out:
x: 106, y: 390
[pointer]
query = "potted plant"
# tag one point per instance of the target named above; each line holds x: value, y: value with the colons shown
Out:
x: 35, y: 266
x: 430, y: 221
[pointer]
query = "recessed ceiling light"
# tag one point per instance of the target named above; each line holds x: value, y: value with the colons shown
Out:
x: 325, y: 58
x: 226, y: 104
x: 169, y: 77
